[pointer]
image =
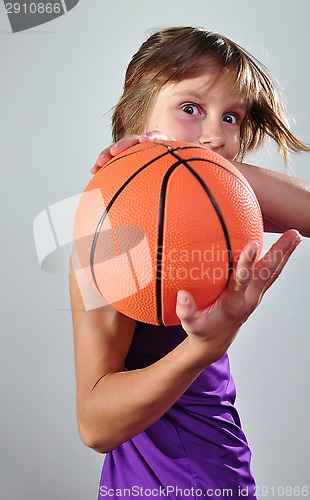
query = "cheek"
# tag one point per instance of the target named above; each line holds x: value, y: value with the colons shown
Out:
x: 235, y: 137
x: 165, y: 124
x: 235, y: 140
x: 232, y: 146
x: 157, y: 121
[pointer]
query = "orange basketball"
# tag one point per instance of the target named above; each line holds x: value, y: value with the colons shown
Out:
x: 161, y: 217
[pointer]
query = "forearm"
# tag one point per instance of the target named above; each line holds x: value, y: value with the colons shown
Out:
x: 284, y: 200
x: 123, y: 404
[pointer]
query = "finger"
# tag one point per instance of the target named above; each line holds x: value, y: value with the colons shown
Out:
x: 102, y: 159
x: 95, y: 169
x: 113, y: 150
x: 155, y: 136
x: 269, y: 268
x: 243, y: 273
x: 186, y: 309
x: 124, y: 144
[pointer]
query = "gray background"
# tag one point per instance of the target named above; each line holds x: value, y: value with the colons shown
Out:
x: 57, y: 83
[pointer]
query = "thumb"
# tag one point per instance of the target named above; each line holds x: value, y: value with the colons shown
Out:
x: 185, y: 308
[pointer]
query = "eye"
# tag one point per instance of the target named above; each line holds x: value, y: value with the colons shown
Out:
x: 191, y: 109
x: 230, y: 118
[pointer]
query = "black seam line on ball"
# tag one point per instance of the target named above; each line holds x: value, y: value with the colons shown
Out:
x: 159, y: 259
x: 229, y: 172
x: 220, y: 216
x: 215, y: 206
x: 108, y: 208
x: 232, y: 174
x: 178, y: 148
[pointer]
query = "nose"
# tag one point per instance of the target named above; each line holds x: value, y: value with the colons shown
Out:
x: 212, y: 135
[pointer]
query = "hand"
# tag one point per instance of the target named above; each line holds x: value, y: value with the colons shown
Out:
x: 125, y: 143
x: 215, y: 327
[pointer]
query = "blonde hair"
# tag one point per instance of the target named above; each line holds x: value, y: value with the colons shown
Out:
x: 177, y: 53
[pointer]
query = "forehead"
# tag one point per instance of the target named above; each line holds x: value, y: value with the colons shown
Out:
x: 221, y: 81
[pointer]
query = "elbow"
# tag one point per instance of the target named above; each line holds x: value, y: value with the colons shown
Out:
x: 102, y: 442
x: 99, y: 447
x: 102, y: 432
x: 90, y: 442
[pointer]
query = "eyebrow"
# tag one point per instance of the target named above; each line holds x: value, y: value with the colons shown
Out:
x: 197, y: 95
x: 189, y: 93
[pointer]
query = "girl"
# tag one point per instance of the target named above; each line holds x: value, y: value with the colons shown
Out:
x: 160, y: 400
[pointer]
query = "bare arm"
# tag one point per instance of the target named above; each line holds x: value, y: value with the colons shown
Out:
x: 115, y: 405
x: 284, y: 200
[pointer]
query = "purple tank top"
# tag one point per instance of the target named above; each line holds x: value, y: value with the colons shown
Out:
x: 196, y: 449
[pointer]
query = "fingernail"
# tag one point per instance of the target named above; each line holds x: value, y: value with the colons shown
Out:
x: 100, y: 161
x: 297, y: 240
x: 253, y: 252
x: 143, y: 138
x: 182, y: 298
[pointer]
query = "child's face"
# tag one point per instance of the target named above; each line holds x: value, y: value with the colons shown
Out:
x: 201, y: 110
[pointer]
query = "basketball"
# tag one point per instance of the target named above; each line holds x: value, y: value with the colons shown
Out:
x: 162, y: 217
